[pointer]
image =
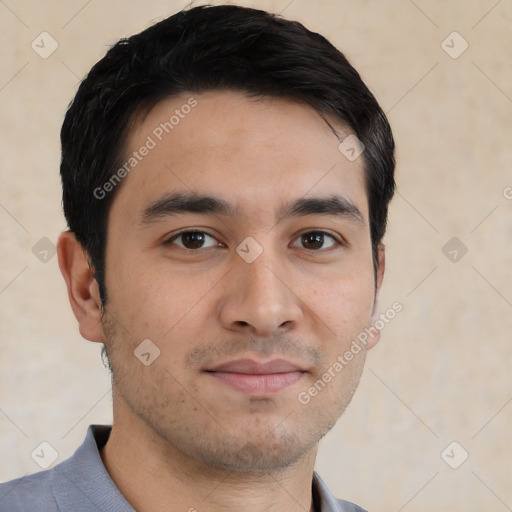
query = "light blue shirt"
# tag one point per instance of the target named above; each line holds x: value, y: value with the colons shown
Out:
x: 82, y: 484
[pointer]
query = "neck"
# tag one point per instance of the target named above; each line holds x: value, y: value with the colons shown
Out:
x: 154, y: 476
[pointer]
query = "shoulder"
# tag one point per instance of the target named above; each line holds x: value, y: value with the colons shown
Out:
x: 28, y: 493
x: 58, y: 488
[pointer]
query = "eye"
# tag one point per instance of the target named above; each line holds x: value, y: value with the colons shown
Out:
x: 192, y: 240
x: 315, y: 240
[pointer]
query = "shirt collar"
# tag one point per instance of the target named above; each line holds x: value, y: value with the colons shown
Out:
x: 325, y: 501
x: 82, y: 481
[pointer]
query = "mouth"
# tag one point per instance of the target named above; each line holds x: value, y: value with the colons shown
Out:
x: 257, y: 379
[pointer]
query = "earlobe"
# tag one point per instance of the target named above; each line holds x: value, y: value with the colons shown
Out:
x: 83, y: 292
x: 381, y: 266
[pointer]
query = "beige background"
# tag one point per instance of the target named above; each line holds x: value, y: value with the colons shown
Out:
x: 441, y: 372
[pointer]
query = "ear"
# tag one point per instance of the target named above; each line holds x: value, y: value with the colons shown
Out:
x: 381, y: 266
x: 83, y: 291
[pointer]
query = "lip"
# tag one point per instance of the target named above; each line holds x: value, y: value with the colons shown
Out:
x: 255, y: 378
x: 249, y: 366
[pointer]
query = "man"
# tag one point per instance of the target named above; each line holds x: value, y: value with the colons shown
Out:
x: 226, y: 178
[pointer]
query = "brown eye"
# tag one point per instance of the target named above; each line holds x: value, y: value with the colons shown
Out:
x: 192, y: 240
x: 315, y: 240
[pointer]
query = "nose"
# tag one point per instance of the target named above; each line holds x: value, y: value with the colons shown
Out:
x: 259, y: 299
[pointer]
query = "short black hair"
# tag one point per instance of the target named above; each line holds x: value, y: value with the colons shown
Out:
x: 202, y: 49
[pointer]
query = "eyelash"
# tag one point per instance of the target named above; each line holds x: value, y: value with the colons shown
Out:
x: 337, y: 243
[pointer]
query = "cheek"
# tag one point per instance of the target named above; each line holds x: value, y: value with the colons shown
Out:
x: 155, y: 300
x: 343, y: 302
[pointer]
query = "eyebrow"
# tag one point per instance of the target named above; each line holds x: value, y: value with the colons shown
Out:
x: 181, y: 203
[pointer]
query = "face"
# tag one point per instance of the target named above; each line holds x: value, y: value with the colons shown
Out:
x: 239, y: 245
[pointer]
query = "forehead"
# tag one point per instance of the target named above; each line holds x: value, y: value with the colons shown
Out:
x: 257, y: 154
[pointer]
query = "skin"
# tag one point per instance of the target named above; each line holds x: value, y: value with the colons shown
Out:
x: 182, y: 438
